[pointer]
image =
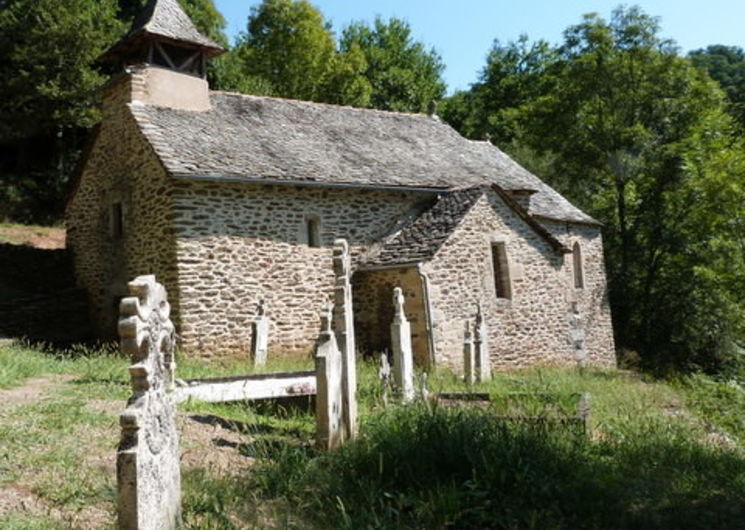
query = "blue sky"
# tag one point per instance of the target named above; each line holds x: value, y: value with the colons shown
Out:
x: 462, y: 31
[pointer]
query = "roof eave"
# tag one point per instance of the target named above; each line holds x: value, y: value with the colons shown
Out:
x: 302, y: 183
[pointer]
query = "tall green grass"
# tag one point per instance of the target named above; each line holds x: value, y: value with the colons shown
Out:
x: 420, y: 467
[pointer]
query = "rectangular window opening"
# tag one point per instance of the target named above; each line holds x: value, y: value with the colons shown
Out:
x: 501, y: 269
x: 117, y: 220
x: 579, y: 273
x: 313, y: 232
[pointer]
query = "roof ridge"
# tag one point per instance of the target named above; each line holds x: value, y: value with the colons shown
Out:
x: 409, y: 249
x: 168, y: 18
x: 323, y: 104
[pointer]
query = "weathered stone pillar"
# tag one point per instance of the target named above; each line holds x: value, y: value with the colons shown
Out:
x: 147, y: 462
x: 260, y: 343
x: 483, y: 360
x: 578, y: 336
x: 469, y: 357
x: 344, y: 328
x: 403, y: 358
x: 329, y: 404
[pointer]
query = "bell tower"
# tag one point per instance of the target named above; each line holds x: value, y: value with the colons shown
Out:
x: 165, y: 56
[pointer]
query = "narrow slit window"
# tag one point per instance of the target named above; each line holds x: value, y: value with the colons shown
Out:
x: 579, y: 274
x: 501, y: 269
x: 117, y: 220
x: 313, y: 232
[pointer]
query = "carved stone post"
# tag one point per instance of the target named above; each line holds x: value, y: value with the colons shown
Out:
x: 578, y: 336
x: 483, y: 360
x: 329, y: 404
x: 469, y: 356
x: 260, y: 342
x: 147, y: 462
x: 344, y: 328
x: 403, y: 358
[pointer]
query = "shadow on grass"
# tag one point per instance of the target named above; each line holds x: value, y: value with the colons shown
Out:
x: 464, y: 468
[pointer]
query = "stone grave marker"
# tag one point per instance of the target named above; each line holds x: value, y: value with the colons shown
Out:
x: 578, y: 336
x: 344, y: 329
x: 403, y: 358
x: 384, y: 373
x: 148, y: 475
x: 260, y: 343
x: 469, y: 356
x: 483, y: 359
x: 329, y: 402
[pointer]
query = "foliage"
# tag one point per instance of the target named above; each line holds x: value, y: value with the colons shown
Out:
x: 515, y: 74
x: 403, y: 74
x: 638, y: 138
x: 47, y: 87
x: 49, y: 84
x: 289, y: 46
x: 726, y: 65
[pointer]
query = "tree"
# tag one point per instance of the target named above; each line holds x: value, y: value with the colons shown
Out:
x: 403, y: 74
x: 620, y: 122
x: 726, y: 65
x: 514, y: 75
x: 47, y: 91
x: 290, y: 47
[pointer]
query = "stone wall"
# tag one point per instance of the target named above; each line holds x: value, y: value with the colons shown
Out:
x: 373, y: 292
x: 534, y: 325
x: 239, y: 243
x: 121, y: 168
x: 592, y: 299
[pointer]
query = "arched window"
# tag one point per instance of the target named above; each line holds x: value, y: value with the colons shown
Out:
x: 313, y: 231
x: 579, y: 273
x: 501, y: 269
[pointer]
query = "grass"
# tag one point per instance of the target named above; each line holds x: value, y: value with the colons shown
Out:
x: 649, y: 460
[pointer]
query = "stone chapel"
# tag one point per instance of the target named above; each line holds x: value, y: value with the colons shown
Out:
x: 232, y: 199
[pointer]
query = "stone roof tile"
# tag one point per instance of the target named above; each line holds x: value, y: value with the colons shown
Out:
x: 256, y: 138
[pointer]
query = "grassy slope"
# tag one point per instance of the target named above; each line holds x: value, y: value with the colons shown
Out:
x: 658, y: 455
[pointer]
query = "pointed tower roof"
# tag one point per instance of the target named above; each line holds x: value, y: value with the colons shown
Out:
x: 163, y: 20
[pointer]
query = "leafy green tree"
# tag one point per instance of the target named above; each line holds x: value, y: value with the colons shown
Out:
x: 290, y: 47
x: 726, y: 65
x: 619, y: 122
x: 515, y: 74
x: 403, y: 74
x: 47, y: 93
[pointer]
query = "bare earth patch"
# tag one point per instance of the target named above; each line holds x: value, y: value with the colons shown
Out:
x: 210, y: 445
x: 206, y: 444
x: 30, y: 391
x: 44, y: 237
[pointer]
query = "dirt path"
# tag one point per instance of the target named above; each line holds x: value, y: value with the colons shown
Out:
x: 31, y: 391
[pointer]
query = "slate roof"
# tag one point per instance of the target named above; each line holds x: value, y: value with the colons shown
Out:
x: 420, y: 239
x: 167, y: 20
x: 279, y: 140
